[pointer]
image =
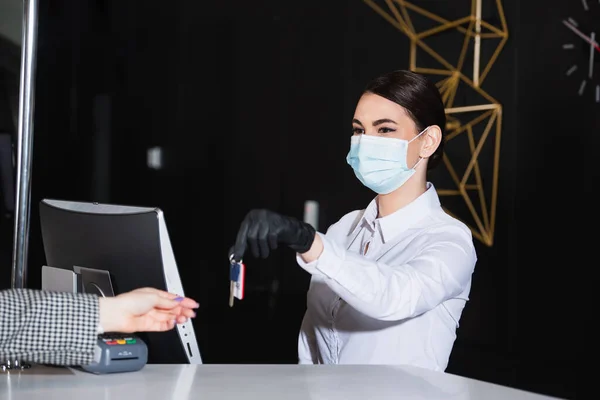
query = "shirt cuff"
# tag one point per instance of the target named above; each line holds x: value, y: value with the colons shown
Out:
x: 329, y: 263
x: 310, y: 267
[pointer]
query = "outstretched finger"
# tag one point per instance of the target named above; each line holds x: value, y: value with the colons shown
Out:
x: 183, y: 301
x: 163, y: 303
x: 240, y: 242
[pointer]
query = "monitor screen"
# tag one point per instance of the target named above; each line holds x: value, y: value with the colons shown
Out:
x: 132, y: 244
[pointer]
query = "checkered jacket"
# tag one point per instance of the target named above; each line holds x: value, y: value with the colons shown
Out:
x: 48, y: 327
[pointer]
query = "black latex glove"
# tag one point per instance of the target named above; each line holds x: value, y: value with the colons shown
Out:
x: 264, y: 230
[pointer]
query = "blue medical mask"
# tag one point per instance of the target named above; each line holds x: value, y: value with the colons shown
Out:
x: 380, y: 162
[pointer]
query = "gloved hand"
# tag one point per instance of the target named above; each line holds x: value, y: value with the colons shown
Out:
x: 264, y: 230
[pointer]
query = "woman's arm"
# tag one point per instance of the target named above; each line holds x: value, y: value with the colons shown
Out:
x: 62, y: 328
x: 441, y: 271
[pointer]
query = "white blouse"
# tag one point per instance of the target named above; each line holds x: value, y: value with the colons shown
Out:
x: 388, y: 290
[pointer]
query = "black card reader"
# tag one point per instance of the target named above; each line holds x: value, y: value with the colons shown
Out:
x: 118, y: 353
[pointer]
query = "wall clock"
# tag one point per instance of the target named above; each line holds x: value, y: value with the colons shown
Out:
x: 581, y: 48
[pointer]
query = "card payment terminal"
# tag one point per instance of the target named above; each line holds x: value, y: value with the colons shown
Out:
x: 118, y: 353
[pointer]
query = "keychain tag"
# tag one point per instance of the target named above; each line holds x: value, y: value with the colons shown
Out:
x: 237, y: 275
x: 239, y: 272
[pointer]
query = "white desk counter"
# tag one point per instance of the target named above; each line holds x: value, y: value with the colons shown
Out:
x: 248, y: 382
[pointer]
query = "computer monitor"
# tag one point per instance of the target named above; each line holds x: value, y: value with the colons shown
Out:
x: 133, y: 245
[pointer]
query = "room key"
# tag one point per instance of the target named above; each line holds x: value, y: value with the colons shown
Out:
x: 231, y: 290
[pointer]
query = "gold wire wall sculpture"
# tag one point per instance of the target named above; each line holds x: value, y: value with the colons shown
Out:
x: 460, y: 118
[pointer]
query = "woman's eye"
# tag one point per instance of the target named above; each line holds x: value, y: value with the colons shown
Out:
x: 357, y: 131
x: 386, y: 130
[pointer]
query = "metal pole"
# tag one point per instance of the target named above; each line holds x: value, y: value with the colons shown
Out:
x: 25, y: 144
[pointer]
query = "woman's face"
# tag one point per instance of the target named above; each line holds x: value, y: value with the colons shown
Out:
x: 378, y: 116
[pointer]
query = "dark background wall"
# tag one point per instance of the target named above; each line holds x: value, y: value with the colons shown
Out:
x: 251, y: 104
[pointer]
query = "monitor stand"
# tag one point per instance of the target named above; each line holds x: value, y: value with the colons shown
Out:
x: 95, y: 281
x: 80, y: 280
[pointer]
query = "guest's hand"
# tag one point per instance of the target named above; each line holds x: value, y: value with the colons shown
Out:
x: 145, y: 310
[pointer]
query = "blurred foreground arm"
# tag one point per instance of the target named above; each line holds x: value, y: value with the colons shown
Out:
x: 62, y: 328
x: 48, y: 327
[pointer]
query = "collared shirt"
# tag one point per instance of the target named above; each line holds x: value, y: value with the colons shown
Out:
x: 388, y: 290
